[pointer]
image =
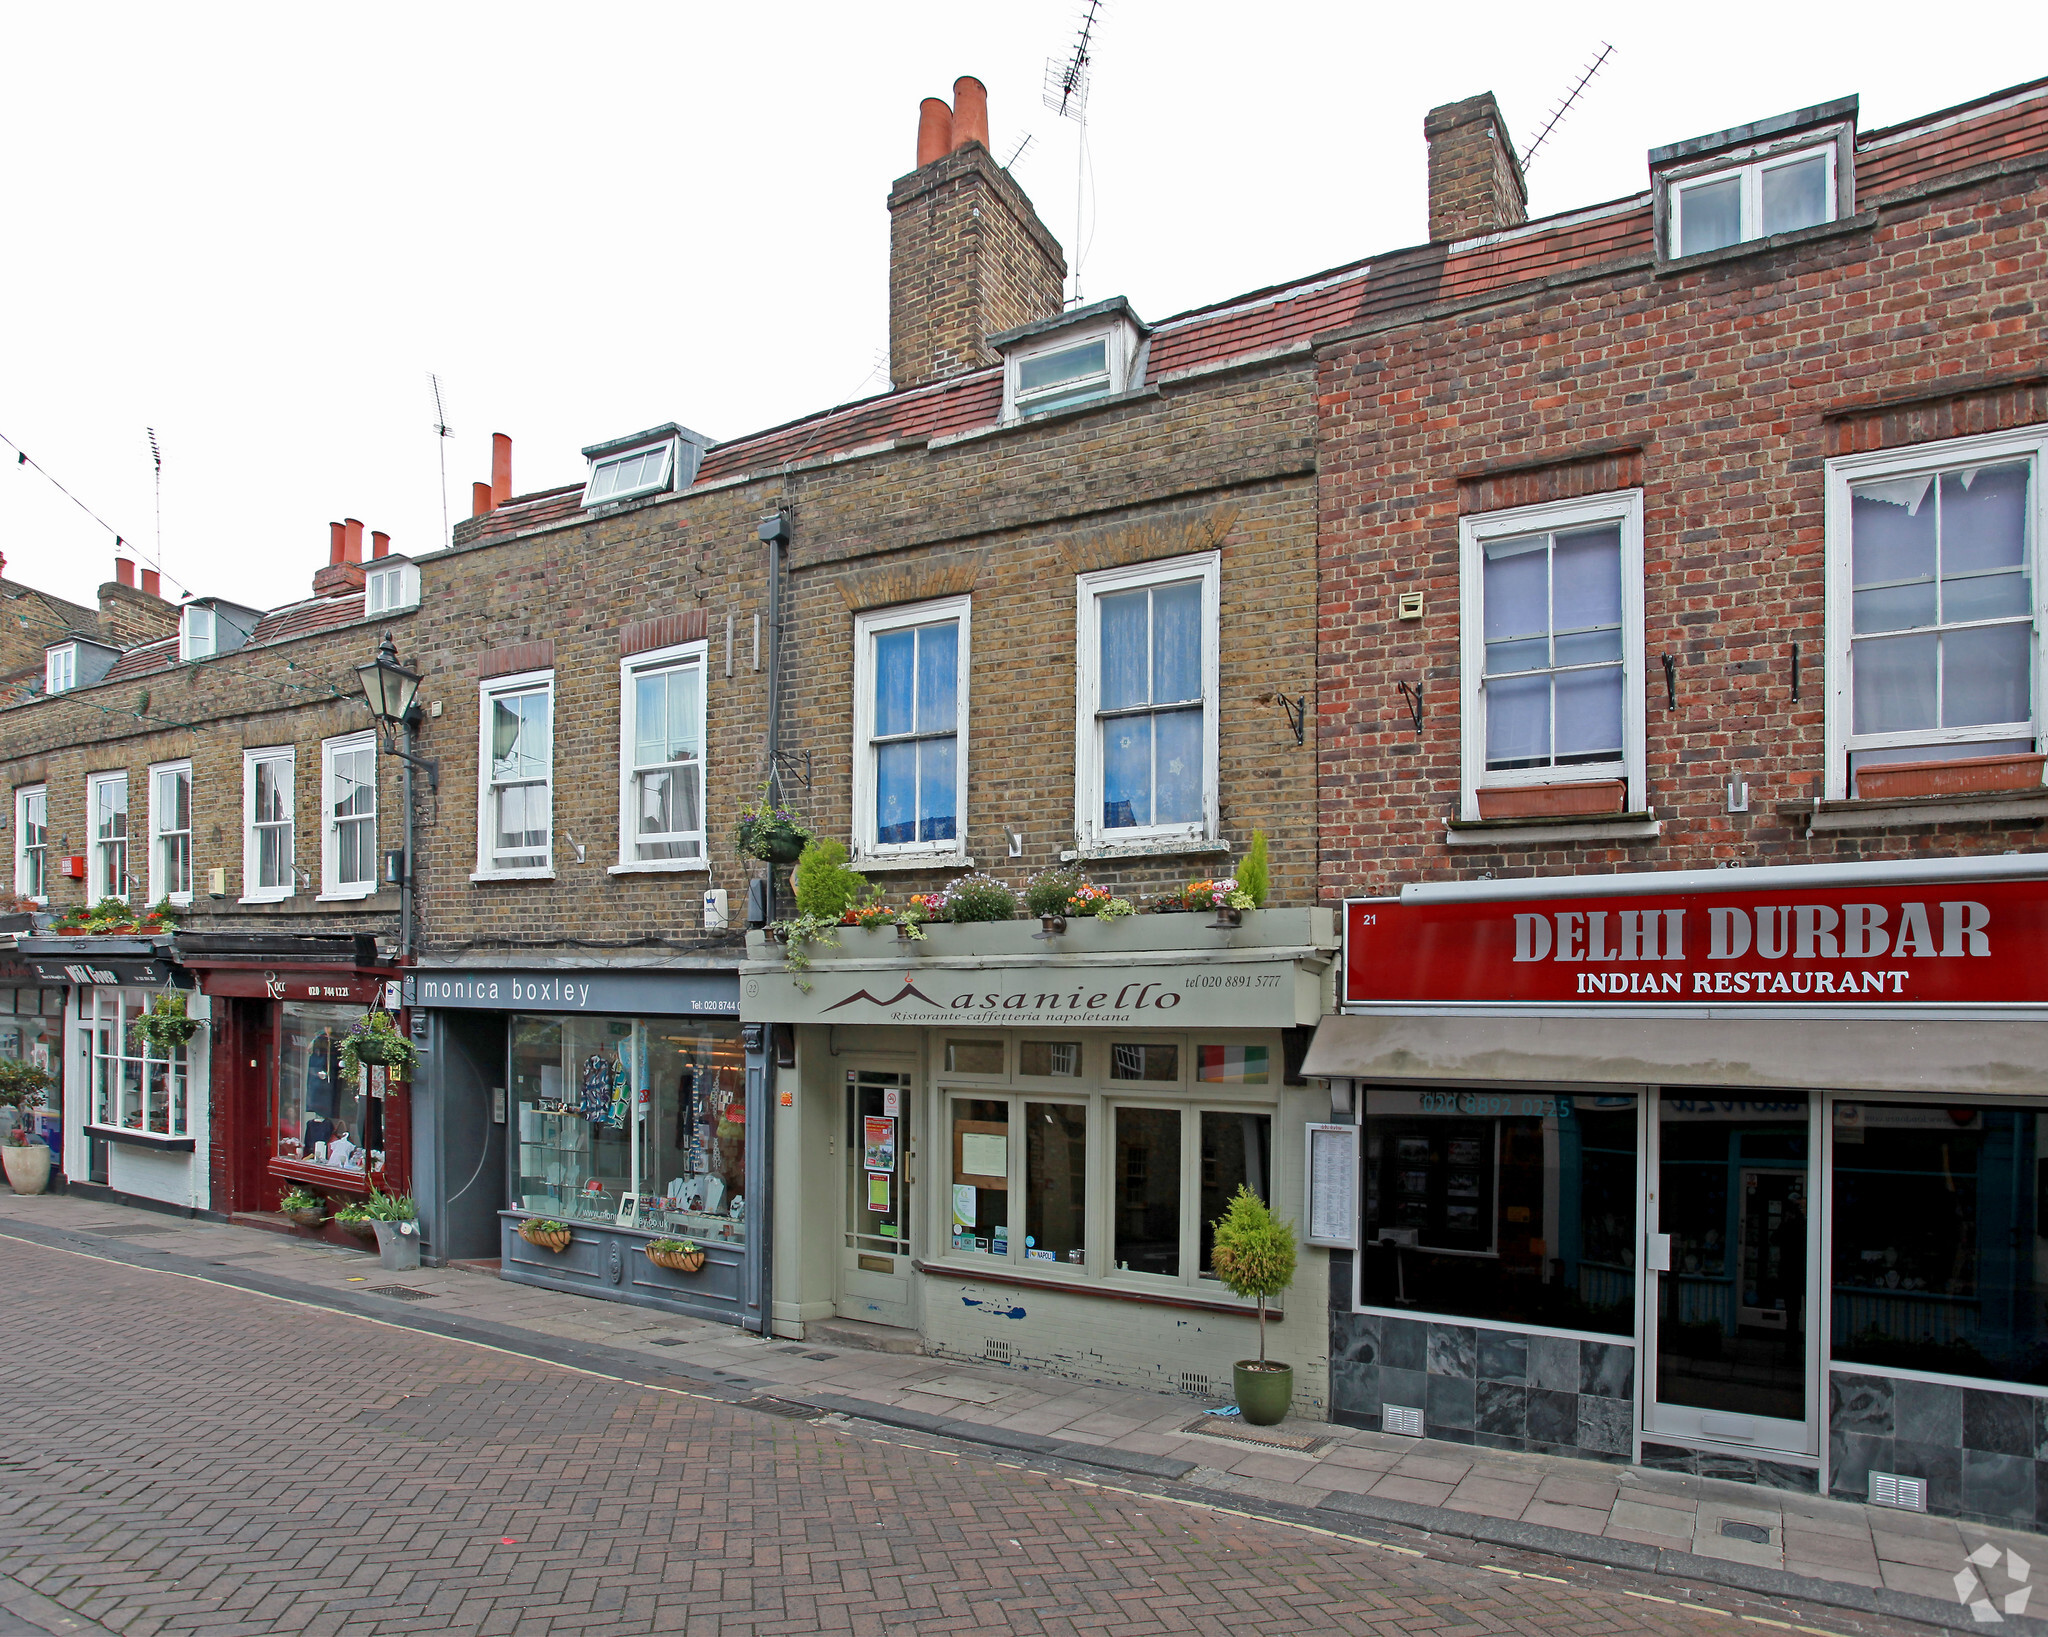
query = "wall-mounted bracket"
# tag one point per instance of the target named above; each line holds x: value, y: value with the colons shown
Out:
x: 1412, y: 696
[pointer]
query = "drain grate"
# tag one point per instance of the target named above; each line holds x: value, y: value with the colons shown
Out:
x: 399, y: 1293
x: 669, y: 1341
x: 1218, y: 1426
x: 821, y: 1357
x: 1755, y: 1533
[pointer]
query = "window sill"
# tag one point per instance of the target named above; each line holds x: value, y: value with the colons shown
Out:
x: 266, y: 897
x: 143, y: 1139
x: 659, y: 866
x: 868, y: 862
x: 1841, y: 227
x: 346, y: 897
x: 334, y: 1178
x: 1913, y: 812
x: 1543, y: 832
x: 1081, y: 1285
x: 1166, y: 847
x: 547, y: 874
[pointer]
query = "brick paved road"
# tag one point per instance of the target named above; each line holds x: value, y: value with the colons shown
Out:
x: 202, y: 1459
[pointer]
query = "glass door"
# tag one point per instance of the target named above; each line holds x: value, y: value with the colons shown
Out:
x: 1732, y: 1242
x: 874, y: 1271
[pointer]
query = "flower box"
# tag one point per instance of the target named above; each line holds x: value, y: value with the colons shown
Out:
x: 554, y: 1239
x: 1535, y: 801
x: 689, y: 1261
x: 1964, y: 776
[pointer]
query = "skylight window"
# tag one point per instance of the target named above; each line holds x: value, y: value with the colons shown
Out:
x: 641, y: 471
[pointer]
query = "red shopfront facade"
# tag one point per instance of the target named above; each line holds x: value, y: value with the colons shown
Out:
x: 1743, y: 1173
x: 285, y: 1115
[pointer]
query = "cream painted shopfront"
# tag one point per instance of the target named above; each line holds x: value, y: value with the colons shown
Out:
x: 1012, y: 1144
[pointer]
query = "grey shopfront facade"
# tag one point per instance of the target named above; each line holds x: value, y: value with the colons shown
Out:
x: 627, y: 1103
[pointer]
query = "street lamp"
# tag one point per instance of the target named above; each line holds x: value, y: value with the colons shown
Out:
x: 392, y: 692
x: 388, y: 685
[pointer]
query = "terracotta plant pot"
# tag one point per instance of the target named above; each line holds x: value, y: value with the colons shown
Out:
x: 1965, y: 776
x: 1553, y: 800
x: 556, y: 1241
x: 687, y: 1262
x: 27, y: 1165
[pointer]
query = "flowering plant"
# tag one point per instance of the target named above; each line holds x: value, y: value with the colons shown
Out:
x: 1195, y: 896
x: 1086, y: 899
x: 873, y: 913
x: 977, y: 898
x: 930, y: 905
x: 1113, y: 909
x: 769, y: 831
x: 374, y: 1038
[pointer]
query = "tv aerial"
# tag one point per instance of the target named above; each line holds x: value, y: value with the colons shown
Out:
x: 1066, y: 94
x: 442, y: 433
x: 1565, y: 105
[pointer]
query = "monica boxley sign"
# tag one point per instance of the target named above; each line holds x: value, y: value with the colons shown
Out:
x: 1973, y: 943
x: 617, y: 991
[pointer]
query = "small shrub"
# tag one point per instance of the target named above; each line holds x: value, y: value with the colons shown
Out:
x: 1252, y: 877
x: 1047, y: 892
x: 977, y: 898
x: 826, y: 888
x: 1254, y: 1253
x: 301, y: 1199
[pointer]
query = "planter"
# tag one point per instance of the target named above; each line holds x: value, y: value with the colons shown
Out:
x: 28, y: 1166
x: 308, y: 1218
x: 1263, y: 1395
x: 1965, y: 776
x: 1553, y: 800
x: 398, y: 1245
x: 369, y: 1049
x: 557, y: 1241
x: 774, y: 845
x: 361, y: 1226
x: 684, y: 1262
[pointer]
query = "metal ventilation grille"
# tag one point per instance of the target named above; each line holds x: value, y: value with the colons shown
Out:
x: 1895, y: 1490
x: 999, y: 1352
x: 1404, y: 1419
x: 1197, y: 1385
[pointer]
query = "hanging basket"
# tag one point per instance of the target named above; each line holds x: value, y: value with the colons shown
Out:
x: 677, y: 1261
x: 310, y: 1217
x: 555, y: 1239
x: 363, y: 1227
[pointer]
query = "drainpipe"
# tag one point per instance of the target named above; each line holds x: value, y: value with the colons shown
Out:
x: 760, y: 1037
x: 774, y: 531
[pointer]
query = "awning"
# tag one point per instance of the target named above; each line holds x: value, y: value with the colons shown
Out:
x: 1940, y: 1057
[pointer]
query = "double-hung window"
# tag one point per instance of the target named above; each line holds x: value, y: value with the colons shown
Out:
x: 60, y: 669
x: 1146, y: 731
x: 348, y: 805
x: 170, y: 832
x: 106, y: 807
x: 910, y: 732
x: 1934, y: 603
x: 515, y: 810
x: 267, y: 823
x: 661, y: 760
x: 32, y: 842
x: 1552, y: 622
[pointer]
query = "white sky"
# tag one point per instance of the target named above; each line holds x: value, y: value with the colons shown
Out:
x: 257, y: 229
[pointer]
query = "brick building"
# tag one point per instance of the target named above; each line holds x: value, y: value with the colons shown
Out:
x: 219, y: 763
x: 1679, y: 748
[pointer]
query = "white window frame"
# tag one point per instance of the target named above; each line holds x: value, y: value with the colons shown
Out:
x: 487, y: 692
x: 1749, y: 164
x: 1120, y: 345
x: 2028, y: 443
x: 867, y: 627
x: 30, y: 872
x: 252, y: 891
x: 1622, y: 506
x: 60, y: 669
x: 332, y: 887
x: 113, y: 1052
x: 192, y: 643
x: 159, y: 875
x: 1206, y: 566
x: 99, y: 882
x: 677, y: 657
x: 388, y: 589
x: 664, y: 473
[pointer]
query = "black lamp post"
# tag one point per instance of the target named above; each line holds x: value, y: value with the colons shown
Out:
x: 392, y: 693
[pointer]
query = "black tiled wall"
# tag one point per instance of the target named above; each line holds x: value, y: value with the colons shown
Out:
x: 1984, y: 1453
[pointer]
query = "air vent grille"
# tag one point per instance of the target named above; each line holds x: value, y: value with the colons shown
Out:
x: 1404, y: 1419
x: 1896, y: 1490
x: 1196, y: 1385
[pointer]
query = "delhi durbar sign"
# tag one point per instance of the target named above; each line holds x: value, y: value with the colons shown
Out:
x: 1970, y: 943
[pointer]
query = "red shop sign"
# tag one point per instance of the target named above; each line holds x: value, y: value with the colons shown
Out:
x: 1969, y: 943
x: 335, y: 986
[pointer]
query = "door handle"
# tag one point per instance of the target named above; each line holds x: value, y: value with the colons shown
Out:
x: 1657, y: 1258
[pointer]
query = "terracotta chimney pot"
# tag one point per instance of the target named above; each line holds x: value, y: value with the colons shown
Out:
x: 380, y: 543
x: 501, y: 469
x: 152, y: 583
x: 337, y: 539
x: 124, y: 570
x: 934, y: 130
x: 480, y: 500
x: 352, y: 540
x: 970, y: 111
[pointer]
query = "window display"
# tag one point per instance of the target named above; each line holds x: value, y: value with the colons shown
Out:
x: 324, y: 1118
x: 135, y: 1087
x: 1514, y: 1207
x: 1940, y: 1246
x: 638, y: 1122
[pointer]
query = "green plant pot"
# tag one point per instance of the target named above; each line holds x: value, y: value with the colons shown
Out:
x: 1263, y: 1395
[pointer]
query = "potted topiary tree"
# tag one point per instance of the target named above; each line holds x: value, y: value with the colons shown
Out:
x: 1254, y: 1256
x: 25, y: 1155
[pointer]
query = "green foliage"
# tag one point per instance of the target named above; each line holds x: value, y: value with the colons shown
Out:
x: 22, y: 1084
x: 797, y: 936
x: 1253, y: 1254
x: 165, y: 1026
x: 383, y: 1207
x: 354, y: 1211
x: 978, y: 898
x: 826, y: 888
x: 302, y: 1199
x: 374, y: 1038
x: 1252, y: 876
x: 544, y: 1224
x: 1047, y: 892
x: 673, y: 1247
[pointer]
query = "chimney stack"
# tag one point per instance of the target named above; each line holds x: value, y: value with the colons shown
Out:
x: 380, y: 543
x: 124, y: 571
x: 152, y: 583
x: 1475, y: 180
x: 337, y: 542
x: 480, y: 500
x: 968, y: 256
x: 501, y: 469
x: 352, y: 540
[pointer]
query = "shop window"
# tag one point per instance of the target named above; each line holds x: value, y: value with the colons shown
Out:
x: 909, y: 725
x: 1056, y: 1183
x: 1553, y: 640
x: 267, y: 843
x: 348, y: 803
x: 106, y: 804
x: 32, y: 842
x: 1514, y: 1208
x: 1145, y: 1191
x: 324, y: 1117
x: 974, y: 1057
x: 1237, y: 1152
x: 1218, y: 1065
x: 1934, y: 603
x: 635, y: 1122
x: 1146, y: 740
x: 661, y: 759
x: 1940, y: 1240
x: 134, y: 1087
x: 1049, y: 1059
x: 515, y: 812
x: 1144, y: 1060
x: 170, y: 833
x: 981, y: 1175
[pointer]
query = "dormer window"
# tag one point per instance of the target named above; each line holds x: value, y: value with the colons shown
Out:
x: 1755, y: 182
x: 656, y: 461
x: 60, y: 669
x: 643, y: 472
x: 1074, y: 359
x: 76, y: 664
x: 386, y: 590
x: 196, y: 628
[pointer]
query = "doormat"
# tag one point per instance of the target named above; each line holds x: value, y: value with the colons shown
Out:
x: 399, y: 1293
x: 1236, y: 1432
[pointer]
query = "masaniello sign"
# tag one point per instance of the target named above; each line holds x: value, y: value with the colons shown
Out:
x: 1974, y: 943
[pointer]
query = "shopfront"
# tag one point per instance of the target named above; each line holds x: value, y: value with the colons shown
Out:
x: 1736, y: 1173
x: 1011, y: 1147
x: 32, y: 1031
x: 619, y: 1103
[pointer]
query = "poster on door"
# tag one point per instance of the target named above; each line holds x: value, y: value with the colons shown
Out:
x: 878, y: 1142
